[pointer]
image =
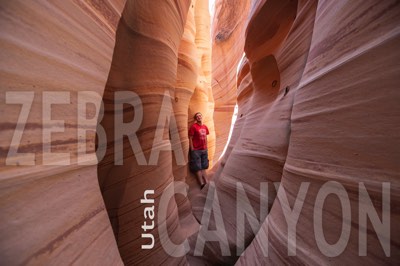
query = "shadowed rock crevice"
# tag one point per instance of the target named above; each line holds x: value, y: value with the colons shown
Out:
x: 262, y: 134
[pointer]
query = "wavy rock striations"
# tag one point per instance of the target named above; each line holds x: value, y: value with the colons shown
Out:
x: 55, y: 57
x: 228, y: 29
x: 311, y: 172
x: 143, y: 75
x: 164, y: 89
x: 312, y: 117
x: 344, y: 116
x: 267, y: 82
x: 202, y: 99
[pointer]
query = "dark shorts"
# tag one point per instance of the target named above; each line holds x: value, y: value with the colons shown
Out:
x: 198, y: 160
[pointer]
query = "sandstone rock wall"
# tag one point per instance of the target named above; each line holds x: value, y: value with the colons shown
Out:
x: 228, y: 28
x: 187, y: 75
x: 54, y: 56
x: 259, y: 145
x: 144, y: 68
x: 61, y: 54
x: 202, y: 99
x: 169, y: 86
x: 317, y: 94
x: 343, y: 123
x: 311, y: 110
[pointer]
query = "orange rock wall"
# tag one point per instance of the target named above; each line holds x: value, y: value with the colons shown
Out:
x: 202, y: 99
x: 187, y: 74
x: 162, y: 54
x: 57, y: 53
x: 172, y: 83
x: 228, y: 29
x: 145, y: 63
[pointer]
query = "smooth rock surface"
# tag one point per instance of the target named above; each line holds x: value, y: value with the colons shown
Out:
x: 332, y: 117
x: 58, y: 54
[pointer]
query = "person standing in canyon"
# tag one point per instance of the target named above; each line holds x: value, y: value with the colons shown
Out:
x: 198, y: 149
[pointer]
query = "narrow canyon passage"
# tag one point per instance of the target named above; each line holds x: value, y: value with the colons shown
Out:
x: 97, y: 98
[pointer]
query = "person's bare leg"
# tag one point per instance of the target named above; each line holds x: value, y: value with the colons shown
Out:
x: 204, y: 174
x: 200, y: 178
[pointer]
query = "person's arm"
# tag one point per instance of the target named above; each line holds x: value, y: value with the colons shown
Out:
x: 208, y: 132
x: 191, y: 142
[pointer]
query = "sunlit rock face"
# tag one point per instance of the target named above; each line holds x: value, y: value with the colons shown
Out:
x: 318, y: 112
x: 55, y: 57
x: 187, y: 73
x: 228, y: 29
x: 202, y: 99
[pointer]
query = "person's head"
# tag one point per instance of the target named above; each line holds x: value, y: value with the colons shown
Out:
x: 198, y: 117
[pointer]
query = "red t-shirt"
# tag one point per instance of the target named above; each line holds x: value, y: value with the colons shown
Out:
x: 199, y: 134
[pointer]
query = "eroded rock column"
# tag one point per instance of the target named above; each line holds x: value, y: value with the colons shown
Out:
x: 140, y: 90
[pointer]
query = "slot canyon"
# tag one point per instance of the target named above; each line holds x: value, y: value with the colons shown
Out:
x: 301, y: 99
